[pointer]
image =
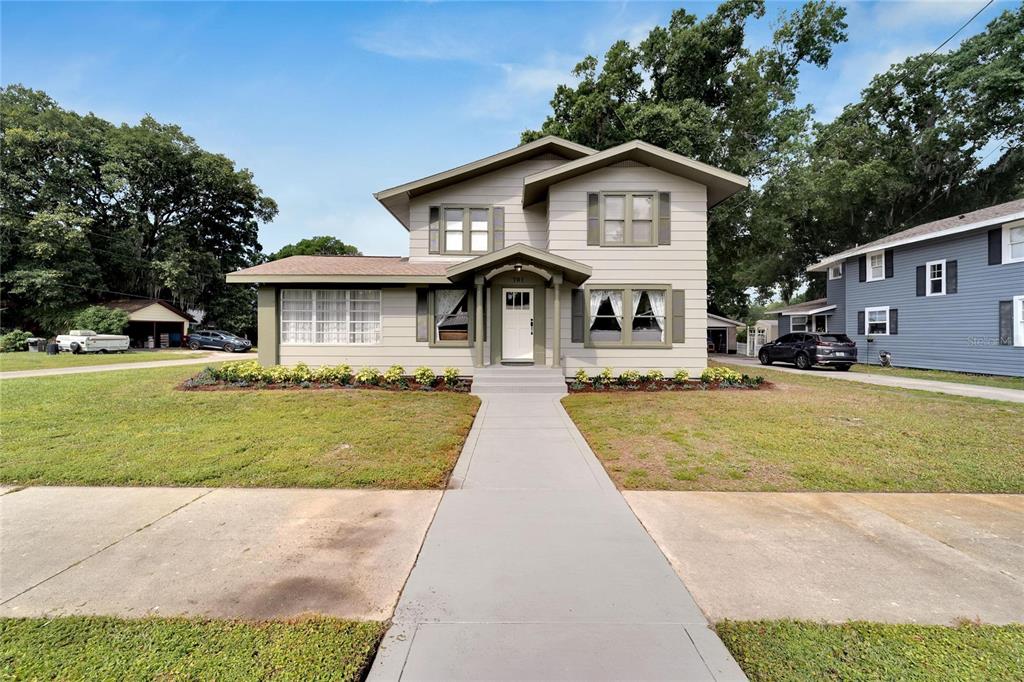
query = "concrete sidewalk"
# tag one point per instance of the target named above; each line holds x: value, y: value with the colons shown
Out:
x: 949, y: 387
x: 891, y: 557
x: 536, y: 569
x: 213, y: 356
x: 223, y: 552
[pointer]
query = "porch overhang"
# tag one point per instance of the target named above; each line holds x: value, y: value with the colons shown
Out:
x: 517, y: 257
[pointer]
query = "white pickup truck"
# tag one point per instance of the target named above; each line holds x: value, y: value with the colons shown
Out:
x: 87, y: 341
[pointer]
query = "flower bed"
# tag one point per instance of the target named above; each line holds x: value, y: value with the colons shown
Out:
x: 251, y: 375
x: 712, y: 379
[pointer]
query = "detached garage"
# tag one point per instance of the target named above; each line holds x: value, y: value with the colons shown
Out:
x: 153, y: 323
x: 722, y: 334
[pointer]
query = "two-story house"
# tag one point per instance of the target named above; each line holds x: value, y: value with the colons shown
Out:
x: 550, y: 253
x: 948, y: 294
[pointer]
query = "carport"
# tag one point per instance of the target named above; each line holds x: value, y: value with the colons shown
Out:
x: 154, y: 320
x: 722, y: 334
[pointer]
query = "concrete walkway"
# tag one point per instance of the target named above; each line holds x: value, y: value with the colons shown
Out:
x: 212, y: 356
x: 891, y: 557
x: 952, y: 388
x: 534, y: 568
x: 221, y: 553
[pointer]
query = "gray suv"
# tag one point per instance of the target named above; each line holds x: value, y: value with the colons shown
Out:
x: 805, y: 350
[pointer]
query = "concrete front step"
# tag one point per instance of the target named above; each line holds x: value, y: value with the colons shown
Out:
x: 510, y: 379
x: 497, y: 389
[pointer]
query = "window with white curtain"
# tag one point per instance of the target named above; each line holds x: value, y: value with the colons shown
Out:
x: 606, y: 315
x: 648, y: 315
x: 330, y: 316
x: 451, y: 315
x: 628, y: 316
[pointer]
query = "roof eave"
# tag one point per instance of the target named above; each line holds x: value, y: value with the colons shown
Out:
x: 243, y: 278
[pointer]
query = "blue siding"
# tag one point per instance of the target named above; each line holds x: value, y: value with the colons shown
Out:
x: 783, y: 324
x: 958, y: 332
x: 836, y: 289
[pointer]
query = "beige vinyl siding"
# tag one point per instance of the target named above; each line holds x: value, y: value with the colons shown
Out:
x: 503, y: 187
x: 681, y: 264
x: 398, y: 343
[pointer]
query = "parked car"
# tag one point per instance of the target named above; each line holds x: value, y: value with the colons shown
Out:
x: 87, y: 341
x: 220, y: 340
x: 806, y: 350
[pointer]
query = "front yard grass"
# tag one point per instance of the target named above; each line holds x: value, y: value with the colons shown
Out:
x: 941, y: 375
x: 808, y: 433
x: 93, y: 648
x: 799, y: 650
x: 15, y: 362
x: 130, y: 427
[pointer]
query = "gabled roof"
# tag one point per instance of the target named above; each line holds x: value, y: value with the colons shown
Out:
x: 574, y: 271
x: 131, y: 305
x: 721, y: 184
x: 726, y: 320
x: 342, y: 269
x: 396, y: 199
x: 818, y: 305
x: 984, y: 217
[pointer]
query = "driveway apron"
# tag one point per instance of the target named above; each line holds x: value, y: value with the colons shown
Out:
x: 535, y: 568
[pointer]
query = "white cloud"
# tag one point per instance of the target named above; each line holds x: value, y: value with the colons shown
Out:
x: 408, y: 40
x: 916, y: 13
x: 524, y: 88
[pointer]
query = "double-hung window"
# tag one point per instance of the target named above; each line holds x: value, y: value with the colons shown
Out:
x: 798, y: 323
x: 628, y: 316
x: 629, y: 219
x: 877, y: 321
x: 330, y: 316
x: 935, y: 283
x: 466, y: 230
x: 876, y: 266
x: 1018, y: 321
x: 835, y: 271
x: 1013, y: 243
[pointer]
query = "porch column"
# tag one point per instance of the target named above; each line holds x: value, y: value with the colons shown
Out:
x: 478, y: 342
x: 556, y: 333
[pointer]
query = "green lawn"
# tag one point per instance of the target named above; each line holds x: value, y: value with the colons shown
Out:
x: 14, y: 362
x: 130, y: 427
x: 808, y: 433
x: 785, y: 650
x: 940, y: 375
x: 93, y: 648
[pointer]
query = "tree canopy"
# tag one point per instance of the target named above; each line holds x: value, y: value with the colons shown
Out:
x: 90, y: 210
x: 316, y: 246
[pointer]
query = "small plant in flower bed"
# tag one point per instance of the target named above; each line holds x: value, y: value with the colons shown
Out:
x: 654, y: 380
x: 253, y: 375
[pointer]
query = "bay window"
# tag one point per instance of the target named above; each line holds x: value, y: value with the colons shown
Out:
x: 627, y: 316
x: 330, y: 316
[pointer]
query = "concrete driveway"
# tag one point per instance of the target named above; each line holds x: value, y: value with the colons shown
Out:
x: 211, y: 356
x: 232, y: 553
x: 914, y: 557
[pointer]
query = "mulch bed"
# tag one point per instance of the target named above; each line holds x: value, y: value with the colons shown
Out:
x: 664, y: 385
x: 462, y: 387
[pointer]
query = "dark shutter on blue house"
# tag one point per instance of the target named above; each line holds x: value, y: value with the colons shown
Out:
x: 862, y: 267
x: 995, y: 246
x: 894, y: 321
x: 951, y: 277
x: 888, y: 263
x: 860, y: 322
x: 434, y: 230
x: 577, y: 316
x: 1006, y: 323
x: 921, y: 291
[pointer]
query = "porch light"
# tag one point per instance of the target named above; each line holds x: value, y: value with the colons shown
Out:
x: 518, y: 267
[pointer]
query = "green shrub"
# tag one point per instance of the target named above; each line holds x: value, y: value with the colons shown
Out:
x: 681, y: 376
x: 724, y: 375
x: 424, y: 376
x: 277, y: 374
x: 338, y: 374
x: 451, y: 375
x: 248, y: 370
x: 101, y: 320
x: 629, y: 376
x: 368, y: 375
x: 604, y: 377
x: 14, y: 341
x: 581, y: 377
x: 393, y: 374
x: 300, y: 373
x: 655, y: 375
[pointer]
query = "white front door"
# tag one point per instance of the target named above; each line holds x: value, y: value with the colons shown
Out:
x: 517, y: 324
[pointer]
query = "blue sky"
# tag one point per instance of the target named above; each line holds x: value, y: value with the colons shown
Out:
x: 329, y: 102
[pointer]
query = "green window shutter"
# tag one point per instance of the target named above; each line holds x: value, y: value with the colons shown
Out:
x: 577, y: 316
x: 422, y: 316
x: 1006, y: 323
x: 593, y: 219
x: 434, y: 233
x: 678, y: 316
x: 664, y: 218
x: 498, y: 225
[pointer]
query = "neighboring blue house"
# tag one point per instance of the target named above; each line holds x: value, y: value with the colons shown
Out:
x: 948, y: 294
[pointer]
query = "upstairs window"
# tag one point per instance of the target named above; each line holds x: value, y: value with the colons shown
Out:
x: 835, y: 271
x: 466, y: 230
x: 936, y: 284
x: 629, y: 219
x: 1013, y: 243
x: 876, y: 266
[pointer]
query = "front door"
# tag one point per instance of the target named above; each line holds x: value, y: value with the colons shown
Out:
x: 517, y: 324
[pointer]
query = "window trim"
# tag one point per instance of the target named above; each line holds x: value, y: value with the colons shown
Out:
x: 928, y: 279
x: 814, y: 324
x: 867, y: 262
x: 867, y: 320
x: 832, y: 269
x: 1006, y: 242
x: 1018, y: 321
x: 432, y: 340
x: 627, y: 316
x: 627, y: 229
x: 314, y: 342
x: 467, y: 211
x: 792, y: 322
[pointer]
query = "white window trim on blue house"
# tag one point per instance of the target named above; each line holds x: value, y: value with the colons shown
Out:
x: 929, y: 278
x: 867, y: 320
x: 1008, y: 245
x: 869, y: 275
